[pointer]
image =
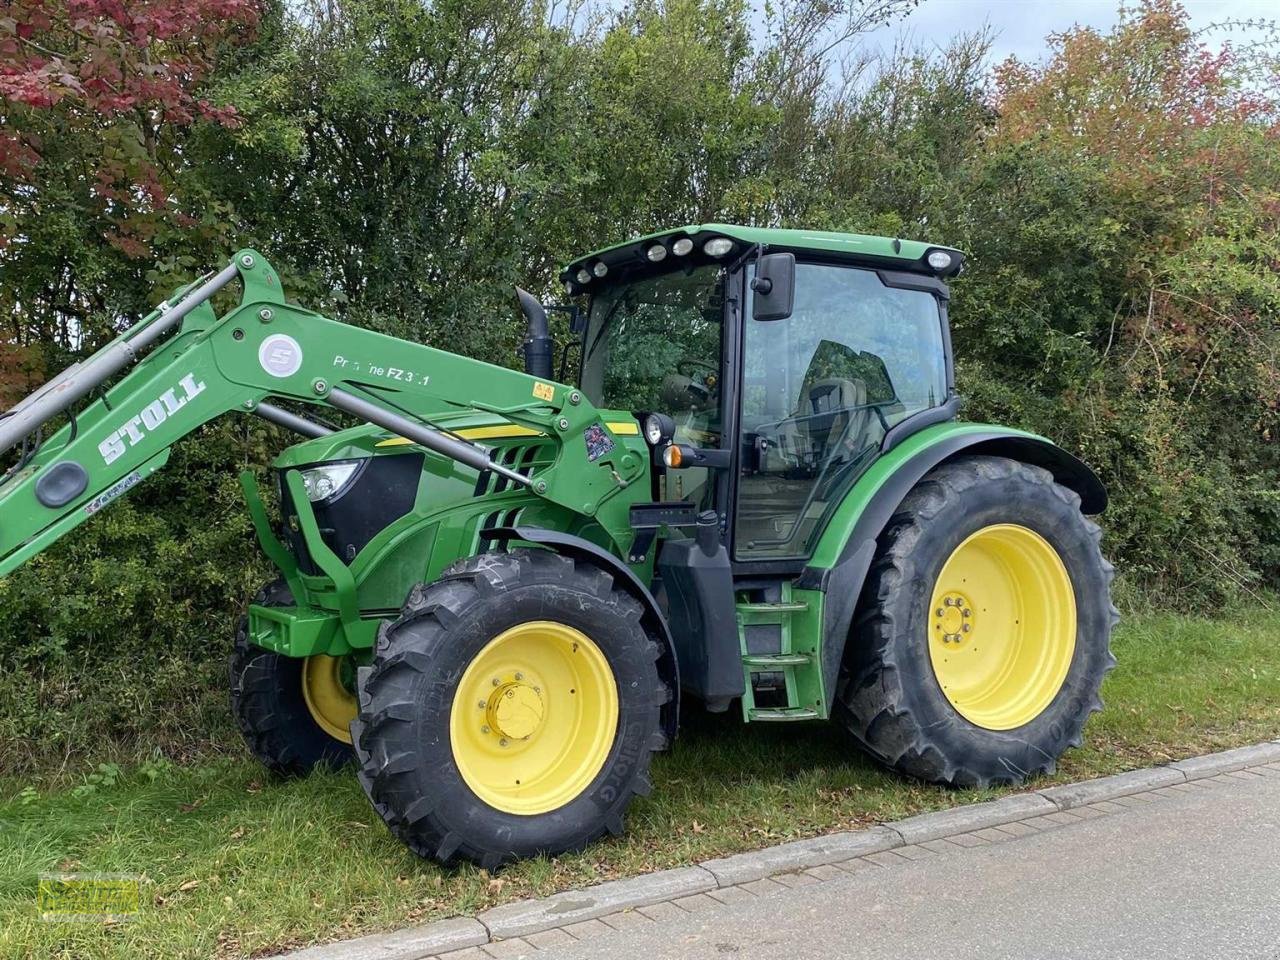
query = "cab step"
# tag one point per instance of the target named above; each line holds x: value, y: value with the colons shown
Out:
x: 779, y: 638
x: 778, y: 660
x: 783, y: 714
x: 766, y: 610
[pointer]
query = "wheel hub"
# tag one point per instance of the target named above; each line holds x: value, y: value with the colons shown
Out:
x: 1012, y: 582
x: 534, y: 717
x: 515, y: 710
x: 328, y: 690
x: 954, y: 619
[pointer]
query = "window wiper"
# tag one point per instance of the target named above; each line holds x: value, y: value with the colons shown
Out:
x: 604, y: 325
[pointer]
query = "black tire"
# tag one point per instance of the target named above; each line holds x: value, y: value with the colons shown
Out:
x: 889, y: 697
x: 402, y: 734
x: 269, y: 706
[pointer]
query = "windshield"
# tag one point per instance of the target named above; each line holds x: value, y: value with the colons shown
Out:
x: 654, y: 345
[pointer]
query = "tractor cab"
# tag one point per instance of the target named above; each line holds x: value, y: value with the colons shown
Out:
x: 769, y: 369
x: 775, y: 391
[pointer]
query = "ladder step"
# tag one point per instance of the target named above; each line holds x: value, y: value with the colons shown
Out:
x: 777, y: 660
x: 762, y: 609
x: 783, y: 714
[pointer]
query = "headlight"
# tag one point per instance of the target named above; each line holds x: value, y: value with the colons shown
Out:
x: 583, y: 275
x: 658, y: 428
x: 682, y: 246
x: 330, y: 479
x: 717, y: 246
x: 938, y: 259
x: 600, y: 268
x: 656, y: 253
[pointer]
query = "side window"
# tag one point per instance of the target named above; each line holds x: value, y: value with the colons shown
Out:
x: 655, y: 345
x: 820, y: 390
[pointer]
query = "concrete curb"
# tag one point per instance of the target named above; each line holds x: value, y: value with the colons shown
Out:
x: 410, y: 944
x: 573, y: 906
x: 529, y: 918
x: 800, y: 855
x: 1227, y: 761
x: 976, y: 816
x: 1110, y: 788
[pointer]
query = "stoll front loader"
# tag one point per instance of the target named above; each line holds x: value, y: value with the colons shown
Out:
x: 493, y: 591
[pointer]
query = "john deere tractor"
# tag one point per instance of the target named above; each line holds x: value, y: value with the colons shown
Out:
x: 495, y: 588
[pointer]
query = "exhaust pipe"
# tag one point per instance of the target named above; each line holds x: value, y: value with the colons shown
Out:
x: 539, y: 348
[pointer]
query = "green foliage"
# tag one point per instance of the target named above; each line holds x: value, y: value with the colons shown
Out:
x: 406, y: 162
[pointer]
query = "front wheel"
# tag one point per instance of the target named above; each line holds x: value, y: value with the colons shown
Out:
x: 294, y: 713
x: 984, y: 628
x: 510, y: 711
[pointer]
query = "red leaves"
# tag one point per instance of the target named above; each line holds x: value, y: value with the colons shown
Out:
x: 115, y: 57
x: 97, y: 66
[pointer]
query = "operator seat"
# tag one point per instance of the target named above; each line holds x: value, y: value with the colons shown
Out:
x: 824, y: 409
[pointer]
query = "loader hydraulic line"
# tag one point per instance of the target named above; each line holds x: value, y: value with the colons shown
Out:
x: 291, y: 421
x: 265, y: 348
x: 76, y: 381
x: 435, y: 440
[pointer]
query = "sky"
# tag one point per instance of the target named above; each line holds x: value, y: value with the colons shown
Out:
x: 1020, y: 26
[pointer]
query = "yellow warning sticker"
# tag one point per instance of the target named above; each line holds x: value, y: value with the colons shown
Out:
x: 544, y: 391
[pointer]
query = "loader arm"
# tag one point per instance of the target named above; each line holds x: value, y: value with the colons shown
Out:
x: 265, y: 348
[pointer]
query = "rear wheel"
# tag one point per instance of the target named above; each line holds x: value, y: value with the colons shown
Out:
x: 510, y: 711
x: 294, y: 713
x: 984, y: 628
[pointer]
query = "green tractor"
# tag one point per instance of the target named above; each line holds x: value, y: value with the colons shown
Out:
x: 495, y: 589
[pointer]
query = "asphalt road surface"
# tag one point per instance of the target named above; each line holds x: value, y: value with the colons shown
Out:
x: 1192, y: 875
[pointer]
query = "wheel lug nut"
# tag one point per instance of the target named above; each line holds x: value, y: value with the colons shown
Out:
x: 502, y: 742
x: 482, y: 704
x: 484, y: 729
x: 519, y: 676
x: 497, y: 682
x: 966, y: 628
x: 938, y: 611
x: 968, y: 612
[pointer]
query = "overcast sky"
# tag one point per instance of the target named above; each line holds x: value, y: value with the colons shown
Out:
x: 1020, y: 26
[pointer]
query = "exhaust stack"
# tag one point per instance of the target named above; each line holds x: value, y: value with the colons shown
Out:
x: 538, y: 345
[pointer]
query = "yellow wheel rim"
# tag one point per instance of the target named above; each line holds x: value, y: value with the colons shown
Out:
x: 328, y: 695
x: 534, y: 718
x: 1002, y: 626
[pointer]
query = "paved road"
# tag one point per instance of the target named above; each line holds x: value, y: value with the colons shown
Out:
x: 1193, y: 874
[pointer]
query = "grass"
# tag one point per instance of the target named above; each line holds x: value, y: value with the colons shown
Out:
x: 235, y: 863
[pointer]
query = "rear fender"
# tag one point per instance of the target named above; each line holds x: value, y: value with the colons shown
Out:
x: 840, y: 563
x: 654, y: 622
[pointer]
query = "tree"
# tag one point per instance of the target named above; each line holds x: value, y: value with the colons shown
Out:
x: 98, y: 96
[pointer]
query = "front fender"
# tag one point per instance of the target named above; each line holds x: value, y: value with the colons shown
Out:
x: 844, y: 553
x: 653, y: 620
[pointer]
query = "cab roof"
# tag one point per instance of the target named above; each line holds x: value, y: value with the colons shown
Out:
x: 885, y: 252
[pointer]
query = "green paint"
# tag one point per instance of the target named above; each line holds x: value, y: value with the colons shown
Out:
x: 798, y: 624
x: 846, y: 515
x: 853, y: 245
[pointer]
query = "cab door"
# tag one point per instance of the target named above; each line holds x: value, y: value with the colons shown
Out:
x: 819, y: 391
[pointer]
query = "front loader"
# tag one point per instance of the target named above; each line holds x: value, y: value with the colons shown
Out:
x: 493, y: 590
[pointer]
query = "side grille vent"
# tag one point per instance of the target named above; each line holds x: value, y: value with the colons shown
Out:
x: 524, y: 459
x: 499, y: 518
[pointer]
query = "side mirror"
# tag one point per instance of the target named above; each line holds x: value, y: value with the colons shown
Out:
x: 577, y: 321
x: 774, y: 286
